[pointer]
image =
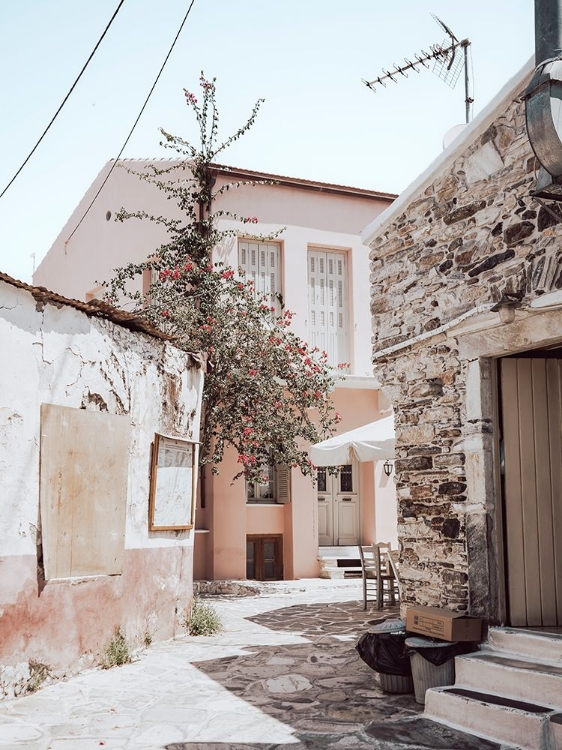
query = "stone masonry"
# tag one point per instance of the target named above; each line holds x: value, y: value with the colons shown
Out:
x: 473, y: 237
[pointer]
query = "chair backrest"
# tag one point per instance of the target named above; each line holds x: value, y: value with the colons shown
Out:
x: 383, y: 557
x: 367, y: 556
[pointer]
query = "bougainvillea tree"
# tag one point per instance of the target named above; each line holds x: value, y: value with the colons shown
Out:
x: 266, y: 391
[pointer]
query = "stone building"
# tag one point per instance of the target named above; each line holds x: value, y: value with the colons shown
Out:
x: 466, y: 300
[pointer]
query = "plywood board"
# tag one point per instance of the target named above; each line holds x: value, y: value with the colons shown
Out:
x: 83, y: 491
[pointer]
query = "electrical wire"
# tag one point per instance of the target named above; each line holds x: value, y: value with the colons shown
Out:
x: 65, y: 98
x: 135, y: 123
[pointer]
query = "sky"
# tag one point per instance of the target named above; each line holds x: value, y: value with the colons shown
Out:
x: 306, y: 58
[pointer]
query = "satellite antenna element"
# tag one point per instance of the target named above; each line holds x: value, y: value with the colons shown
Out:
x: 448, y: 64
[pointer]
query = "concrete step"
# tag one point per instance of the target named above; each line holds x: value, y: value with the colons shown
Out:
x: 511, y: 676
x: 494, y: 717
x: 530, y: 644
x: 337, y: 552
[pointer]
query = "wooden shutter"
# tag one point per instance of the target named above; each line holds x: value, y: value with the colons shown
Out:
x: 327, y: 304
x: 260, y: 263
x: 283, y: 484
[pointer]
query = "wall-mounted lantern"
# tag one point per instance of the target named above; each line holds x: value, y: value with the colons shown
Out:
x: 543, y: 110
x: 506, y: 306
x: 387, y: 467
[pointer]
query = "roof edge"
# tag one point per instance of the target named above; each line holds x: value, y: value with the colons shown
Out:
x: 251, y: 174
x: 96, y: 309
x: 474, y: 129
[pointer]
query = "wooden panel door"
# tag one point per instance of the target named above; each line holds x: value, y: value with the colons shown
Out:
x: 531, y: 409
x: 338, y: 507
x: 264, y: 557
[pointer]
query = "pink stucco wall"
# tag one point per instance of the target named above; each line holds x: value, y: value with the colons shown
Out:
x: 74, y: 267
x: 313, y: 217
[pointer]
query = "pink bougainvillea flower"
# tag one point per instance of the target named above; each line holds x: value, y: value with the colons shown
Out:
x: 252, y: 373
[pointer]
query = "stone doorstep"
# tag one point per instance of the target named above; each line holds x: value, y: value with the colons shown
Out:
x: 530, y: 644
x: 529, y: 726
x: 511, y: 676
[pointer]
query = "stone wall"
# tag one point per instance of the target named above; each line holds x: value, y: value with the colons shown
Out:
x: 468, y: 239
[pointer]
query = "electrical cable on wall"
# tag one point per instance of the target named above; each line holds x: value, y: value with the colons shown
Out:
x: 65, y: 98
x: 134, y: 124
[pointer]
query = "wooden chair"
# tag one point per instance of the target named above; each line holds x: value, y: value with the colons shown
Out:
x: 369, y: 574
x: 387, y: 580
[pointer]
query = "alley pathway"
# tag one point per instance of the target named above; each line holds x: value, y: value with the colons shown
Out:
x: 284, y: 673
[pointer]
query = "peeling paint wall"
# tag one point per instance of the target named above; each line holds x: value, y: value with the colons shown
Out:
x: 470, y: 236
x: 56, y: 354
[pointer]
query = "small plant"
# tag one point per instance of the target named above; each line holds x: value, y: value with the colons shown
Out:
x: 203, y: 619
x: 147, y: 639
x: 38, y: 673
x: 116, y: 652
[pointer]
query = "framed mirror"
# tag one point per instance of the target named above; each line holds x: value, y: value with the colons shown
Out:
x: 173, y: 479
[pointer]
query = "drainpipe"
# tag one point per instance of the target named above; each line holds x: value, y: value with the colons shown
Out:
x: 548, y: 29
x: 543, y: 99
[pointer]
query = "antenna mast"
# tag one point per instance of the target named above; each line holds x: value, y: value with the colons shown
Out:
x: 447, y: 65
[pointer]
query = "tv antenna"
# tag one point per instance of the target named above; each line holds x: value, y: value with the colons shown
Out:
x: 448, y: 64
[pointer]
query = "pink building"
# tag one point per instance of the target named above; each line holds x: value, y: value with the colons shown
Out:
x: 320, y: 265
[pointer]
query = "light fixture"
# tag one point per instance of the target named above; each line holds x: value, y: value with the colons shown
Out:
x: 505, y: 307
x: 543, y: 105
x: 387, y: 466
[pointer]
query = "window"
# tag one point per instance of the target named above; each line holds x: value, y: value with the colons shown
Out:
x: 327, y: 304
x: 260, y: 263
x: 172, y: 484
x: 276, y: 488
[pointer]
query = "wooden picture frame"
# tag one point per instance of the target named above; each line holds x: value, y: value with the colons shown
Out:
x: 173, y: 484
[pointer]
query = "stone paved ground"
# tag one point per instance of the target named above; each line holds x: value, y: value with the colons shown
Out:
x: 284, y: 673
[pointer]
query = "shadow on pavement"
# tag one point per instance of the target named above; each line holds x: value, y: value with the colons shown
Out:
x: 323, y: 690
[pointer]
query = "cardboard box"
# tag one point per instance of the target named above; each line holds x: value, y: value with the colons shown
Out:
x: 443, y: 624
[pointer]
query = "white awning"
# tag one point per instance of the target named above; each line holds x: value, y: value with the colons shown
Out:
x: 371, y: 442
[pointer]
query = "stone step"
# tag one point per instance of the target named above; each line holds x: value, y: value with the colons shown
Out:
x: 530, y: 644
x: 336, y: 552
x: 494, y: 717
x: 336, y: 572
x: 511, y: 676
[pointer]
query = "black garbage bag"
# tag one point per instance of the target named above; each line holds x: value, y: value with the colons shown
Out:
x: 385, y: 652
x: 437, y: 652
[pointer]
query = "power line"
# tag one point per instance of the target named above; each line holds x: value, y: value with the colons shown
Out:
x: 135, y: 123
x: 65, y: 98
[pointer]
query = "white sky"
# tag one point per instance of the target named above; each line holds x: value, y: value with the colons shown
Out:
x: 305, y: 57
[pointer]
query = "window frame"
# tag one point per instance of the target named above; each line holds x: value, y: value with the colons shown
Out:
x: 280, y: 481
x: 315, y: 329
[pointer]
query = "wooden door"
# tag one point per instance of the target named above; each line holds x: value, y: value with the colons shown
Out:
x: 531, y: 411
x: 338, y: 507
x: 264, y: 557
